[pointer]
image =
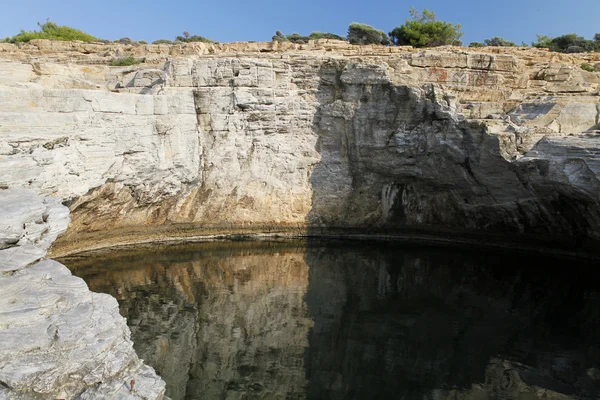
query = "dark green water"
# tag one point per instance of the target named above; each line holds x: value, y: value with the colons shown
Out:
x: 286, y: 320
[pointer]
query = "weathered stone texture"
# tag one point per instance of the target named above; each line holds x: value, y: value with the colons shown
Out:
x: 327, y: 135
x: 57, y: 339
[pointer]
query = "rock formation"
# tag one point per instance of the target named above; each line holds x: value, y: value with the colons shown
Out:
x: 495, y: 144
x: 57, y: 339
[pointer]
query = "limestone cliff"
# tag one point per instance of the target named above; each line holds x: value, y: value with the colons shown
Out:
x: 498, y: 144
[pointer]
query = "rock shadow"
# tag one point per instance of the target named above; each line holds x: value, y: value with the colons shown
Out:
x: 416, y: 324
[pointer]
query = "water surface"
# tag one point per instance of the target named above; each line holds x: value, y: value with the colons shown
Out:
x: 356, y: 320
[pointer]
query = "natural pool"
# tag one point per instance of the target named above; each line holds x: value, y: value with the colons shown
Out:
x: 356, y: 320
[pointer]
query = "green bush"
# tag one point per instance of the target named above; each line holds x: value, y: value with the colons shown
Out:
x: 279, y: 37
x: 570, y: 43
x: 366, y: 34
x: 424, y: 30
x: 126, y: 41
x: 142, y: 42
x: 125, y: 61
x: 297, y: 38
x: 300, y: 39
x: 325, y: 35
x: 498, y: 42
x: 194, y: 38
x: 476, y: 44
x: 588, y: 67
x: 51, y: 30
x: 162, y: 41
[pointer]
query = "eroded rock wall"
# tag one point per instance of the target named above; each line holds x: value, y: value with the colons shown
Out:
x: 305, y: 139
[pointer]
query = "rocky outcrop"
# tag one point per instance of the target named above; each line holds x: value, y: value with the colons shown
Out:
x: 57, y: 339
x: 258, y: 137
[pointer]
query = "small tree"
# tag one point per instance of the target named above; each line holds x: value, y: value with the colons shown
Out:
x: 366, y: 34
x: 543, y: 42
x: 499, y: 42
x: 424, y: 30
x: 194, y: 38
x: 476, y: 44
x: 279, y: 37
x: 297, y: 38
x: 570, y: 43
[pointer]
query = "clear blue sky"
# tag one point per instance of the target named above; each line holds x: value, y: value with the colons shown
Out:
x: 243, y: 20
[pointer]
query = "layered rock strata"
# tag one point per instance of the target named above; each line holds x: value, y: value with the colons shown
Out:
x: 231, y: 138
x: 57, y: 338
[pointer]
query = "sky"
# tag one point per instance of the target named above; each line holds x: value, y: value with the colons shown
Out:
x: 257, y: 20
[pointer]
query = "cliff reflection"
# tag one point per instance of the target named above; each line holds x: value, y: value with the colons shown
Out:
x: 335, y: 321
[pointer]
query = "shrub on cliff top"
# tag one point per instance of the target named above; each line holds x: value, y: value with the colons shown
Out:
x: 476, y: 44
x: 424, y: 30
x: 186, y: 38
x: 126, y: 61
x: 300, y: 39
x: 297, y: 38
x: 569, y: 43
x: 279, y: 37
x: 51, y: 30
x: 325, y: 35
x: 498, y: 42
x: 366, y: 34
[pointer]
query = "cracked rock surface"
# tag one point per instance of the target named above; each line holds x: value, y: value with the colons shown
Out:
x: 57, y: 338
x: 501, y: 144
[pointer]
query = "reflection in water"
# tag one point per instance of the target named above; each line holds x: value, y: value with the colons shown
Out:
x: 245, y: 320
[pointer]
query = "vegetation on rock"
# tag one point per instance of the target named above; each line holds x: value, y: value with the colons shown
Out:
x: 325, y: 35
x: 125, y: 61
x: 569, y: 43
x: 588, y: 67
x: 498, y: 42
x: 299, y: 39
x: 187, y: 38
x: 424, y: 30
x: 476, y: 44
x: 51, y: 30
x: 366, y: 34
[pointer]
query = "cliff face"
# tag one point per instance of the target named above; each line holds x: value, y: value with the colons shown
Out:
x: 254, y: 136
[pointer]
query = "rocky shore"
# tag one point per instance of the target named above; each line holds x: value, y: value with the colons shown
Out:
x: 58, y: 340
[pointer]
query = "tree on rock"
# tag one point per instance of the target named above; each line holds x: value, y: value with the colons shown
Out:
x: 498, y: 42
x: 569, y: 43
x: 424, y: 30
x: 366, y: 34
